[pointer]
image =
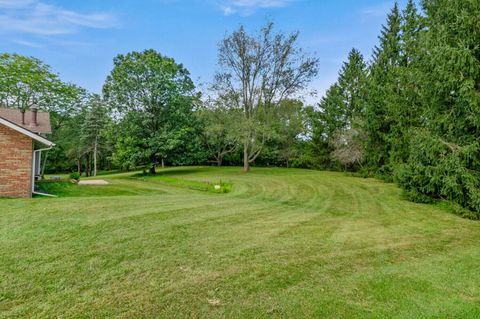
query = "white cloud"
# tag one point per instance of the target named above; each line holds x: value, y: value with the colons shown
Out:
x: 28, y: 43
x: 35, y: 17
x: 260, y: 3
x: 379, y: 10
x: 10, y: 4
x: 246, y: 7
x: 228, y: 11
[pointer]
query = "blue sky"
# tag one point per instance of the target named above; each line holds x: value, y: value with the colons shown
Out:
x: 80, y: 38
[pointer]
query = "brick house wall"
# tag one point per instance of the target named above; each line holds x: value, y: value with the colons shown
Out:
x: 16, y: 152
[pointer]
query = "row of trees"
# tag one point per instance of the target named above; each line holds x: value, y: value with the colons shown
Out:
x: 413, y: 113
x: 150, y: 113
x: 409, y: 114
x: 77, y: 117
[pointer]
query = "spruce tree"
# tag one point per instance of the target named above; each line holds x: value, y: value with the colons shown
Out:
x: 444, y: 159
x: 342, y: 106
x: 92, y: 127
x: 381, y: 88
x: 350, y: 81
x: 332, y: 113
x: 411, y: 28
x: 343, y: 102
x: 405, y: 108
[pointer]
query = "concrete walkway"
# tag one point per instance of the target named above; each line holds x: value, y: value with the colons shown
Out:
x: 93, y: 182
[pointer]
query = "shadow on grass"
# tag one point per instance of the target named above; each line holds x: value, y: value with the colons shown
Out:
x: 177, y: 171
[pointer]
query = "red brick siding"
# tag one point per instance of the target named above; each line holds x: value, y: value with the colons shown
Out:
x: 16, y: 152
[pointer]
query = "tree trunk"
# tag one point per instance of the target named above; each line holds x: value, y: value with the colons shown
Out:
x: 152, y: 170
x: 219, y: 161
x: 154, y: 161
x: 163, y: 163
x: 246, y: 163
x: 79, y: 167
x: 95, y: 146
x: 87, y: 166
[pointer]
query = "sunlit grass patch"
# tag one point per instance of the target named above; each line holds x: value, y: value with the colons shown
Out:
x: 204, y: 186
x: 65, y: 188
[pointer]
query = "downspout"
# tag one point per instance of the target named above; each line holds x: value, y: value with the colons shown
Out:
x: 33, y: 172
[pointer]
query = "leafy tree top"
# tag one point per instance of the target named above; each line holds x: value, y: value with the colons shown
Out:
x: 141, y: 80
x: 27, y: 81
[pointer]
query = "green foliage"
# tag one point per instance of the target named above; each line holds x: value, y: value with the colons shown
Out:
x: 444, y: 160
x: 219, y: 130
x: 93, y: 129
x: 418, y: 108
x: 381, y: 90
x: 289, y: 126
x: 410, y: 114
x: 27, y: 81
x: 340, y: 113
x: 75, y: 176
x: 155, y: 99
x: 439, y: 170
x: 94, y: 121
x: 257, y: 73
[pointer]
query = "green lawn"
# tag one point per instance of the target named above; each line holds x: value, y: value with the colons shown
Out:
x: 282, y: 243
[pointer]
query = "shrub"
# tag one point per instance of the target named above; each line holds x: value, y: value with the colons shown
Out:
x: 75, y: 176
x: 440, y: 170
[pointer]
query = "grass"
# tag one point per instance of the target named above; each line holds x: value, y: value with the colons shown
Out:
x: 205, y: 186
x: 118, y: 188
x: 282, y: 243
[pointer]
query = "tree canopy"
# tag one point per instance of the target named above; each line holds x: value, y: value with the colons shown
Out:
x: 154, y: 97
x: 257, y: 72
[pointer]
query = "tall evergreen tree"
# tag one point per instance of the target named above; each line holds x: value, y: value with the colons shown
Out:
x: 411, y: 28
x: 341, y: 109
x: 444, y: 157
x: 331, y: 115
x: 350, y: 81
x: 92, y: 128
x: 343, y: 102
x: 381, y: 88
x: 405, y: 102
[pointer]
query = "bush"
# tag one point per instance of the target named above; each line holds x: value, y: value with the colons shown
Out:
x: 440, y: 170
x: 75, y: 176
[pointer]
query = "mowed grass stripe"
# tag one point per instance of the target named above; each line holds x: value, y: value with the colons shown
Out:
x: 283, y: 243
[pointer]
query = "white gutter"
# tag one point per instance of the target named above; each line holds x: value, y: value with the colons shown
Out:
x: 33, y: 171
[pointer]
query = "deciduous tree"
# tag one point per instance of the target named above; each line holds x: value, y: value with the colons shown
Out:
x: 155, y: 97
x: 219, y: 133
x: 257, y: 72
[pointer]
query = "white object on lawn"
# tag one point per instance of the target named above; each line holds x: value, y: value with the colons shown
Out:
x: 93, y: 182
x: 217, y: 187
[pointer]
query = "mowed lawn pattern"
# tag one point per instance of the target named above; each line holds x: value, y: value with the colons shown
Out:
x: 283, y: 243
